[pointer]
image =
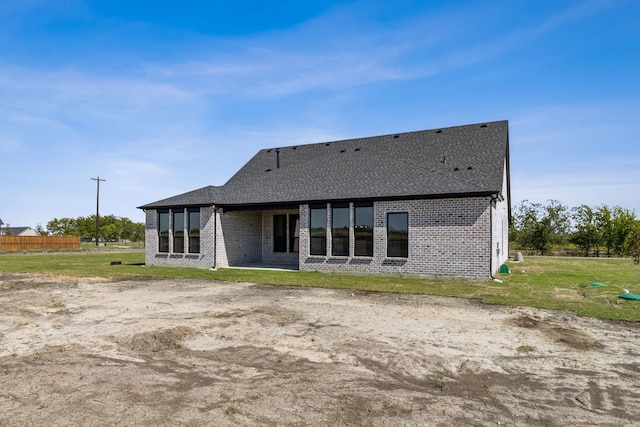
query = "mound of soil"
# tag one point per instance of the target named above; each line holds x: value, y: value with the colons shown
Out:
x: 192, y: 352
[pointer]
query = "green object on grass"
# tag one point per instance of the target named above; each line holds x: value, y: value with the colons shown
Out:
x: 629, y: 296
x: 504, y: 269
x: 597, y: 284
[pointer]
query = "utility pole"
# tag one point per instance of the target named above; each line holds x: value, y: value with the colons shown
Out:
x: 97, y: 180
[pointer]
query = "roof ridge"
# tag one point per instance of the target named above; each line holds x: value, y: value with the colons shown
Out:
x: 387, y: 135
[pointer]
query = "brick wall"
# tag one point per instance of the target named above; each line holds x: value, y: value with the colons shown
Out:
x: 500, y: 235
x: 238, y: 238
x: 204, y: 259
x: 268, y: 255
x: 447, y: 238
x: 226, y: 239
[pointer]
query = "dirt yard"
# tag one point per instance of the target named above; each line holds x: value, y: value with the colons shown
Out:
x: 151, y: 352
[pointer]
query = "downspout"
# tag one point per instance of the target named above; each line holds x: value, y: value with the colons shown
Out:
x: 215, y: 240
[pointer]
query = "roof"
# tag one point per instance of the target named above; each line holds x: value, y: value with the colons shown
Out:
x: 455, y: 161
x: 205, y: 196
x: 15, y: 231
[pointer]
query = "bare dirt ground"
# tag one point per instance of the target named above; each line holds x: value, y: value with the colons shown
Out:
x: 192, y: 352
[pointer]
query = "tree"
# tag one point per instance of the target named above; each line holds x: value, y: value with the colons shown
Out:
x: 634, y: 242
x: 132, y: 231
x: 41, y: 230
x: 605, y: 228
x: 87, y: 227
x: 540, y: 226
x: 110, y: 228
x: 63, y: 227
x: 612, y: 226
x: 558, y: 215
x: 138, y: 232
x: 586, y: 234
x: 622, y: 223
x: 602, y: 226
x: 526, y: 221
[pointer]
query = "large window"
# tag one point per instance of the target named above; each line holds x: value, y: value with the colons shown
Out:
x: 163, y: 231
x: 279, y: 233
x: 363, y: 230
x: 194, y: 230
x: 294, y: 233
x: 318, y: 230
x: 398, y: 234
x: 340, y: 230
x: 178, y: 231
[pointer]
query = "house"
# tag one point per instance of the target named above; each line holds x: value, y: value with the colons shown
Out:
x: 19, y: 231
x: 428, y: 203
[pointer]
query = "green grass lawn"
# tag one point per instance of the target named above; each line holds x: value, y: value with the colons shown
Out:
x: 544, y: 282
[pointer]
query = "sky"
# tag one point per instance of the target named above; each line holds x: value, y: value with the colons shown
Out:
x: 163, y: 97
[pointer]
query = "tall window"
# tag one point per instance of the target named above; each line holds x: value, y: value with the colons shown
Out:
x: 318, y: 230
x: 194, y: 230
x: 178, y: 231
x: 398, y: 234
x: 363, y: 230
x: 163, y: 231
x: 340, y: 230
x: 294, y: 233
x: 279, y: 233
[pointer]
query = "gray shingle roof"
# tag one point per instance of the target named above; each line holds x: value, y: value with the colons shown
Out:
x: 14, y: 231
x: 204, y: 196
x: 454, y: 161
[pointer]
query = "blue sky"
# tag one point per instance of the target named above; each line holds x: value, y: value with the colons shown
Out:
x: 161, y: 97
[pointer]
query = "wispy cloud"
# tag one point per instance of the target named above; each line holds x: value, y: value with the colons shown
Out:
x: 77, y: 106
x: 333, y: 54
x: 576, y: 153
x: 591, y: 186
x: 345, y: 48
x: 190, y: 110
x: 580, y: 10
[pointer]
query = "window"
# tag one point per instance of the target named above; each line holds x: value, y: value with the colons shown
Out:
x: 363, y: 230
x: 279, y: 233
x: 294, y: 233
x: 318, y: 230
x: 194, y: 230
x: 340, y: 230
x: 178, y: 231
x: 286, y: 235
x: 398, y: 234
x: 163, y: 231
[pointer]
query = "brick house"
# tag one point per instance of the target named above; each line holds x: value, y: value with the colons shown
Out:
x: 427, y: 203
x: 18, y: 231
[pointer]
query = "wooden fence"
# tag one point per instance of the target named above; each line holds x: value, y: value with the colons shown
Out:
x: 18, y: 243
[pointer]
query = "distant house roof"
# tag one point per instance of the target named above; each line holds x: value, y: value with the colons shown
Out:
x: 19, y: 231
x: 448, y: 162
